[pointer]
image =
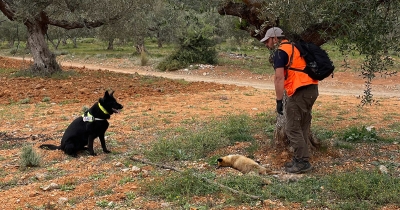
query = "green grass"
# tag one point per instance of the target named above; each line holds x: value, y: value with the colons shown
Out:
x: 345, y: 190
x: 180, y: 187
x: 192, y: 145
x: 335, y: 191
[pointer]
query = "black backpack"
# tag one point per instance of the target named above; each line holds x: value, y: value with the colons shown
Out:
x: 319, y: 65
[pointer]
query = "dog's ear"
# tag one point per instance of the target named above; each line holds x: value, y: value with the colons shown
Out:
x: 112, y: 94
x: 106, y: 94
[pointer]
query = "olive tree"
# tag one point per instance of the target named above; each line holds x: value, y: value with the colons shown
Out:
x: 12, y: 32
x: 37, y: 15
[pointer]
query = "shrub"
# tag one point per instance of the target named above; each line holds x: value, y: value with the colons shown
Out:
x: 196, y: 49
x: 363, y: 134
x: 29, y: 157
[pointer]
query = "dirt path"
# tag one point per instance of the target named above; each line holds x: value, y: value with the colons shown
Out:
x: 343, y: 83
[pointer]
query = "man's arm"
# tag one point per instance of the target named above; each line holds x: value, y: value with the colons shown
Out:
x: 279, y: 80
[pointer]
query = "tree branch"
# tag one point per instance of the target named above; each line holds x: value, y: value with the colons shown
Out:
x: 72, y: 25
x: 6, y: 9
x: 249, y: 10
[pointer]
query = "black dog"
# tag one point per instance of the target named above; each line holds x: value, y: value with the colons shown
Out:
x: 83, y: 130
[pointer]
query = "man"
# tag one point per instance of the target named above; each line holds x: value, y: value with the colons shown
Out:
x: 302, y: 91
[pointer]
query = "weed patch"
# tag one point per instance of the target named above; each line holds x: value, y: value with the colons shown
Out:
x: 192, y: 145
x: 357, y: 134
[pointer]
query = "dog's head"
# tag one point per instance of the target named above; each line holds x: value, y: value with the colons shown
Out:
x: 110, y: 104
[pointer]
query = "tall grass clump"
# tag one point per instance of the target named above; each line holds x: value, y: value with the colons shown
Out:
x: 29, y: 157
x: 144, y: 60
x: 195, y: 144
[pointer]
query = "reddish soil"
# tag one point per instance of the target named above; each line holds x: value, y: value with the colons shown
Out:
x: 35, y: 111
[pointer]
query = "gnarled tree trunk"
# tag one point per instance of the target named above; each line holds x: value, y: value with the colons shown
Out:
x: 44, y: 61
x: 280, y: 138
x: 110, y: 44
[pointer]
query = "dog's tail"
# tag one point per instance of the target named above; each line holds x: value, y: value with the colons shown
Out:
x: 49, y: 147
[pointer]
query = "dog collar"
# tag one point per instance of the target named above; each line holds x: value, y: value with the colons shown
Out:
x: 89, y: 118
x: 102, y: 109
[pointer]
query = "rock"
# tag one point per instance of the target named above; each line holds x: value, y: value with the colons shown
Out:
x: 62, y: 200
x: 40, y: 176
x: 383, y: 169
x: 165, y: 205
x: 52, y: 186
x: 125, y: 169
x: 119, y: 164
x: 135, y: 169
x: 288, y: 177
x: 33, y: 194
x: 39, y: 86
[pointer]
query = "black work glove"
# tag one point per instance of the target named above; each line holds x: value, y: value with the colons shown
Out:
x: 279, y: 107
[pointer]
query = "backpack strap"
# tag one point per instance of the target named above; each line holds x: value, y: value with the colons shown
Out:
x: 288, y: 66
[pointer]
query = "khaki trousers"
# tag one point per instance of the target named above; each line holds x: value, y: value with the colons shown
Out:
x: 298, y: 119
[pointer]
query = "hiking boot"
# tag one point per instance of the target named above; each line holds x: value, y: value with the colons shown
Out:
x: 298, y: 167
x: 290, y: 164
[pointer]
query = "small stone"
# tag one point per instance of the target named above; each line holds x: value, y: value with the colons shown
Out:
x: 125, y: 169
x: 135, y: 169
x: 52, y: 186
x: 383, y: 169
x: 119, y: 164
x: 62, y: 200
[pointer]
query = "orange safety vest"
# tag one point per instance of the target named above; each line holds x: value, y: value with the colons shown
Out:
x: 295, y: 79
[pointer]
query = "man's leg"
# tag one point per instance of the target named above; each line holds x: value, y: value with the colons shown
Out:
x: 298, y: 110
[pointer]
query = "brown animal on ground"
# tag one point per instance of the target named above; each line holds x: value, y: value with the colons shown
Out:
x: 242, y: 164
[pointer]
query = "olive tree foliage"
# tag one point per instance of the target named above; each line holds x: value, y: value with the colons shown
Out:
x: 196, y: 42
x: 164, y: 22
x: 12, y: 32
x: 38, y: 15
x: 112, y: 30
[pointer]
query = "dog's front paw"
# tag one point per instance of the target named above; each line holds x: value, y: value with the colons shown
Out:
x: 93, y: 154
x: 107, y: 151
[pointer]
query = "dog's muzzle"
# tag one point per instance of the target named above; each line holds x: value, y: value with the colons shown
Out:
x: 116, y: 110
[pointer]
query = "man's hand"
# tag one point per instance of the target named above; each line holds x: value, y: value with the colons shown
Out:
x: 279, y: 107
